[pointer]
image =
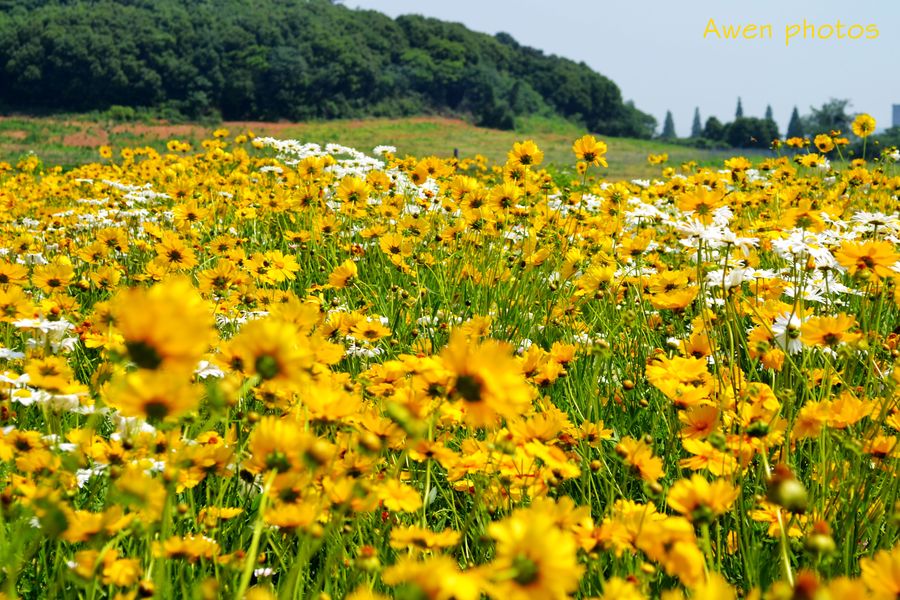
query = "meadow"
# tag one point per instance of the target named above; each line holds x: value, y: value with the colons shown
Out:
x: 246, y: 366
x: 72, y: 140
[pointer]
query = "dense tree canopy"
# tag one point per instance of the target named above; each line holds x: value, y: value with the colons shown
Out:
x: 293, y: 59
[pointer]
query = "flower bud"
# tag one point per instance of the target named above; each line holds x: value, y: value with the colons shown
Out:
x: 786, y: 490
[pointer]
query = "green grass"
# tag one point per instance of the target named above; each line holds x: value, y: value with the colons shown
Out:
x: 422, y: 137
x: 73, y: 140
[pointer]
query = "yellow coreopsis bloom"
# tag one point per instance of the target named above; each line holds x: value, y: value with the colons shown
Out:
x: 343, y: 274
x: 701, y: 501
x: 353, y: 190
x: 589, y: 150
x: 535, y: 559
x: 273, y: 350
x: 824, y: 143
x: 881, y: 574
x: 486, y: 379
x: 166, y: 326
x: 829, y: 332
x: 863, y: 125
x: 153, y: 395
x: 526, y: 154
x: 875, y: 258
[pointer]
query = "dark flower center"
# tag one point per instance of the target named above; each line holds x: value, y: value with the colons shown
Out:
x: 143, y: 354
x: 469, y: 388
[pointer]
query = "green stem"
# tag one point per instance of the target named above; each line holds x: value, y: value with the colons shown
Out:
x: 257, y: 534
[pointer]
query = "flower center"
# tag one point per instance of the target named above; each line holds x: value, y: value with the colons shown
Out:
x: 526, y: 570
x: 469, y: 388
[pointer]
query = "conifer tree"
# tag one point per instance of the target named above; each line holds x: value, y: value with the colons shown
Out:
x: 697, y: 126
x: 795, y: 126
x: 668, y: 131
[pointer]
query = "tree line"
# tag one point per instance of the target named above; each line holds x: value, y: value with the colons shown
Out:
x: 753, y: 132
x: 287, y: 59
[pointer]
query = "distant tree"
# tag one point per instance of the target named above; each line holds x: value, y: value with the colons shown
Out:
x: 642, y: 124
x: 831, y: 116
x: 714, y: 129
x: 668, y: 131
x: 750, y: 132
x: 739, y: 111
x: 795, y: 126
x: 771, y: 119
x: 696, y: 126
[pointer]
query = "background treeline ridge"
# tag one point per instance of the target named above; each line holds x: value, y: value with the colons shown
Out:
x: 287, y: 59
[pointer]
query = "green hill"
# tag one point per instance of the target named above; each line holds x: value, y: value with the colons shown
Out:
x: 287, y: 59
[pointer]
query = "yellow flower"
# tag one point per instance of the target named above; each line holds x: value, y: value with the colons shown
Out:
x: 702, y: 203
x: 353, y: 190
x: 174, y: 253
x: 804, y: 217
x: 639, y: 456
x: 701, y: 501
x: 14, y: 304
x: 874, y: 258
x: 829, y: 332
x: 369, y: 330
x: 504, y: 196
x: 122, y: 572
x: 706, y: 456
x: 486, y: 379
x: 167, y: 326
x: 211, y: 515
x: 51, y: 373
x: 272, y: 267
x: 436, y: 578
x: 396, y: 247
x: 525, y: 154
x: 775, y: 516
x: 53, y: 277
x: 616, y: 588
x: 685, y: 381
x: 534, y: 558
x: 810, y: 160
x: 881, y: 574
x: 12, y: 273
x: 863, y: 125
x: 714, y: 588
x: 282, y: 444
x: 153, y: 395
x: 423, y: 539
x: 343, y: 274
x: 83, y: 525
x: 671, y: 290
x: 273, y: 350
x: 590, y: 151
x: 191, y: 548
x: 293, y: 516
x: 399, y: 497
x: 824, y: 143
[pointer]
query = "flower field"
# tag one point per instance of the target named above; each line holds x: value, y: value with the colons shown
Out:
x: 258, y: 368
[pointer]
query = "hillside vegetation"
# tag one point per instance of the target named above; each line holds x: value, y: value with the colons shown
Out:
x: 292, y: 59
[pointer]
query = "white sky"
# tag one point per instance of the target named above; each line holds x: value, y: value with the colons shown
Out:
x: 655, y: 51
